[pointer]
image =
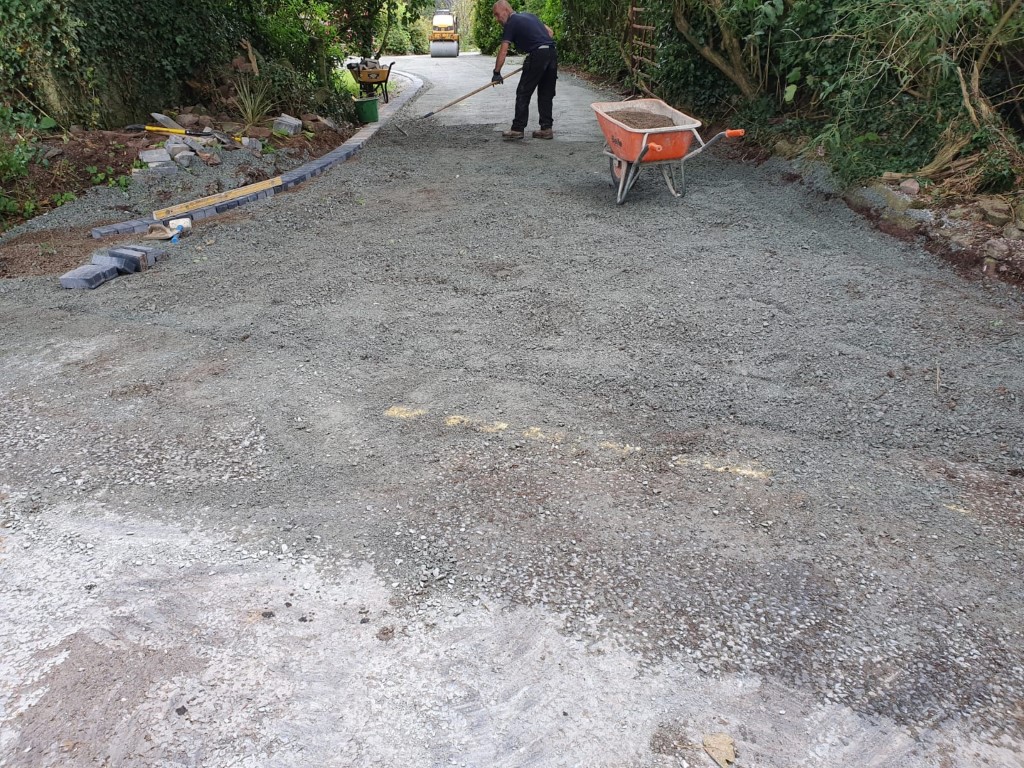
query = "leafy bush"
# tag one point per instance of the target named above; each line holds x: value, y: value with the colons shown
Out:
x: 1001, y: 160
x: 419, y: 36
x: 592, y: 35
x: 292, y: 32
x: 295, y: 93
x: 19, y: 147
x: 398, y: 41
x: 486, y: 29
x: 34, y: 35
x: 18, y: 144
x: 878, y: 86
x: 553, y: 14
x: 99, y: 62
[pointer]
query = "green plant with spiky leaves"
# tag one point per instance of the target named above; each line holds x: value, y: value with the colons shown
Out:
x: 254, y: 99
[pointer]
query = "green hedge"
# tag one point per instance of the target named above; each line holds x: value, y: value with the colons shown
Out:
x: 870, y: 85
x: 487, y: 31
x: 91, y: 62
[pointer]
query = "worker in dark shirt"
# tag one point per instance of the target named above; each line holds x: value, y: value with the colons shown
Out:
x: 533, y: 37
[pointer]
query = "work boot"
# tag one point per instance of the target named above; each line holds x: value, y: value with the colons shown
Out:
x: 512, y: 135
x: 544, y: 133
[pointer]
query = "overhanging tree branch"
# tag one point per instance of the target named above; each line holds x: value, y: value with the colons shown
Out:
x: 732, y: 67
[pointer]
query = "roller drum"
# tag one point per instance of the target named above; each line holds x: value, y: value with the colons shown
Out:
x: 444, y: 49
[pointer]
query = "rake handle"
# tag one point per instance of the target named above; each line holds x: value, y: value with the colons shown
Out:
x: 471, y: 93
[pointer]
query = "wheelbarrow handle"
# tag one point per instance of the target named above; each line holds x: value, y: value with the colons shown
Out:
x: 732, y: 133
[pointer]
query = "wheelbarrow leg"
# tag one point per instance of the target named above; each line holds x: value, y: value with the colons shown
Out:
x: 675, y: 178
x: 624, y: 174
x: 628, y: 180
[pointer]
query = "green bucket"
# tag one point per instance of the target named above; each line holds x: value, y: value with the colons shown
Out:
x: 366, y: 109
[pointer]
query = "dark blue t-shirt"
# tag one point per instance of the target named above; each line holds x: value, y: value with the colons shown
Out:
x: 526, y: 32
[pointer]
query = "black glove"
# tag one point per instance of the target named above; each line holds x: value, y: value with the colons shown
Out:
x: 497, y: 78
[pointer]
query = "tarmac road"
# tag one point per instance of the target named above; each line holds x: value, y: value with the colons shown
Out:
x: 445, y: 459
x: 452, y: 78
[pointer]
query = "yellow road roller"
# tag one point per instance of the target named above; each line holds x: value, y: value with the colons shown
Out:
x: 444, y: 35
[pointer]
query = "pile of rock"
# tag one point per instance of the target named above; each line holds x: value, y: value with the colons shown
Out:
x: 986, y: 232
x: 203, y: 142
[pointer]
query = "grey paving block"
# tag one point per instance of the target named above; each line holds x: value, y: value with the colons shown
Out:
x: 119, y: 229
x: 155, y: 156
x: 154, y: 172
x: 140, y: 257
x: 288, y: 124
x: 123, y: 264
x: 153, y: 252
x: 88, y: 276
x: 105, y: 231
x: 197, y: 145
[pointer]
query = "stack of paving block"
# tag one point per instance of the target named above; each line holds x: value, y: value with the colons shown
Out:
x: 109, y: 263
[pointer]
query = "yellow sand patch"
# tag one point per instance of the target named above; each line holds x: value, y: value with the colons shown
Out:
x: 404, y: 412
x: 536, y: 433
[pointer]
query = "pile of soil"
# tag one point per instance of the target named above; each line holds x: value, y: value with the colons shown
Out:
x: 636, y: 118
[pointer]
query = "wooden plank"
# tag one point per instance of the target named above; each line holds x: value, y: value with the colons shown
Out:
x: 220, y: 197
x: 644, y: 26
x: 638, y: 57
x: 644, y: 43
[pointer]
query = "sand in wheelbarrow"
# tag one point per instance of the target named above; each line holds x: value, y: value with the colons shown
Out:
x: 635, y: 118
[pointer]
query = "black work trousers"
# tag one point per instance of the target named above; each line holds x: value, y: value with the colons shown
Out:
x: 540, y: 71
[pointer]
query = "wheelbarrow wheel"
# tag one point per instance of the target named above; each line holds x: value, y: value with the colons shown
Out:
x: 618, y: 168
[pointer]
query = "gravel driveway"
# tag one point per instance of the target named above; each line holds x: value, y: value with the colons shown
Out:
x: 445, y: 459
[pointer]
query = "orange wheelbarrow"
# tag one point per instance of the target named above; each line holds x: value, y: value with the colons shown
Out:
x: 630, y: 149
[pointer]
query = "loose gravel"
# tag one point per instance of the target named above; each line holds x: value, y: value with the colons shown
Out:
x: 601, y: 479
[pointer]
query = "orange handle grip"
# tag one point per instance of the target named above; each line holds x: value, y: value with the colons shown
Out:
x: 656, y: 147
x: 735, y: 133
